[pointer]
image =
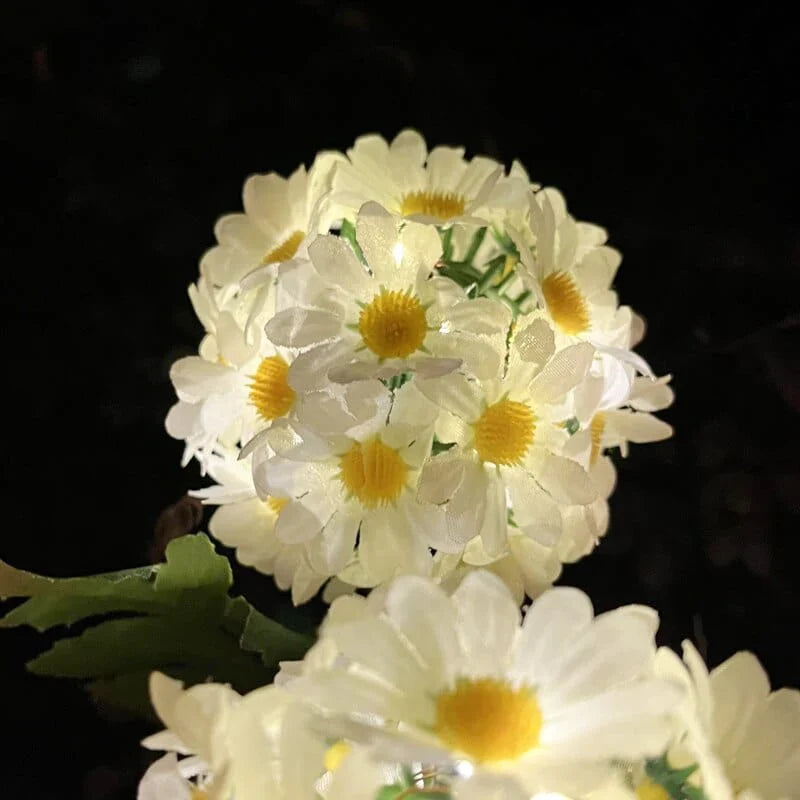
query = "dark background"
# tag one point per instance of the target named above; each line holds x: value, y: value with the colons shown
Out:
x: 129, y: 130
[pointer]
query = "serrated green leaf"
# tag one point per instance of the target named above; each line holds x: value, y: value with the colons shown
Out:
x: 271, y: 640
x: 181, y: 621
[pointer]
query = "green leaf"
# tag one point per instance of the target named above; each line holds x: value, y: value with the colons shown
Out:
x: 348, y: 233
x: 447, y: 243
x: 390, y: 791
x: 270, y: 639
x: 179, y: 619
x: 474, y: 245
x: 673, y: 780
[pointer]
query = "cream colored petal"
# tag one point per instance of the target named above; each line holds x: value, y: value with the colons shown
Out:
x: 336, y: 263
x: 637, y: 427
x: 563, y: 372
x: 769, y: 759
x: 564, y: 480
x: 426, y: 616
x: 376, y: 232
x: 196, y: 378
x: 299, y: 523
x: 266, y: 202
x: 617, y: 648
x: 329, y: 553
x: 535, y: 342
x: 301, y: 327
x: 738, y: 685
x: 626, y: 722
x: 535, y: 512
x: 374, y: 645
x: 455, y: 393
x: 240, y: 233
x: 551, y: 625
x: 488, y: 621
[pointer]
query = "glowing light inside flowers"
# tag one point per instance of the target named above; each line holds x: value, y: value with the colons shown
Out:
x: 648, y: 790
x: 276, y: 504
x: 488, y: 720
x: 596, y: 428
x: 373, y: 472
x: 393, y: 325
x: 440, y: 205
x: 505, y: 432
x: 397, y: 253
x: 285, y: 250
x: 270, y: 392
x: 335, y: 754
x: 565, y: 303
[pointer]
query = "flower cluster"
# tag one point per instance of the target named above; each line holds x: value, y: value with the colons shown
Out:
x: 416, y: 693
x: 413, y: 364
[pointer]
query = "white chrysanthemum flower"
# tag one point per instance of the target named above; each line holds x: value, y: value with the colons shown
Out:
x: 246, y: 522
x: 745, y: 737
x: 507, y: 434
x: 254, y: 746
x: 439, y: 186
x: 359, y: 484
x: 236, y: 387
x: 280, y: 215
x: 569, y: 269
x: 450, y: 680
x: 392, y: 315
x: 608, y: 420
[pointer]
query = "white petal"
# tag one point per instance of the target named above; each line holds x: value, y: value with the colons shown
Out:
x: 488, y: 620
x: 562, y: 373
x: 301, y: 327
x: 335, y: 261
x: 426, y: 616
x: 738, y: 685
x: 565, y: 480
x: 551, y: 624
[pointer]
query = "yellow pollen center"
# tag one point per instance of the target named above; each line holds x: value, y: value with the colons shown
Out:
x: 596, y: 428
x: 488, y: 720
x: 270, y: 392
x: 373, y: 472
x: 441, y: 205
x: 565, y: 303
x: 285, y: 250
x: 393, y: 325
x: 335, y: 754
x: 276, y: 504
x: 648, y: 790
x: 504, y: 432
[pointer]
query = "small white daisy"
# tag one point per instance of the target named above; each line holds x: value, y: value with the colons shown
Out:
x: 450, y: 679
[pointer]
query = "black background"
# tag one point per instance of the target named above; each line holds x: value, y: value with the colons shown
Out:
x: 130, y: 128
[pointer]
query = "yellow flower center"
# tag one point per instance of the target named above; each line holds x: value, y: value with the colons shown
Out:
x: 270, y: 392
x: 648, y: 790
x: 393, y: 325
x: 373, y: 472
x: 565, y: 303
x: 504, y: 432
x: 276, y: 504
x: 488, y: 720
x: 335, y: 754
x: 285, y: 250
x: 441, y: 205
x: 198, y: 794
x: 596, y: 428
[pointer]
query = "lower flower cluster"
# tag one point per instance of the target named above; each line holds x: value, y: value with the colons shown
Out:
x: 415, y: 692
